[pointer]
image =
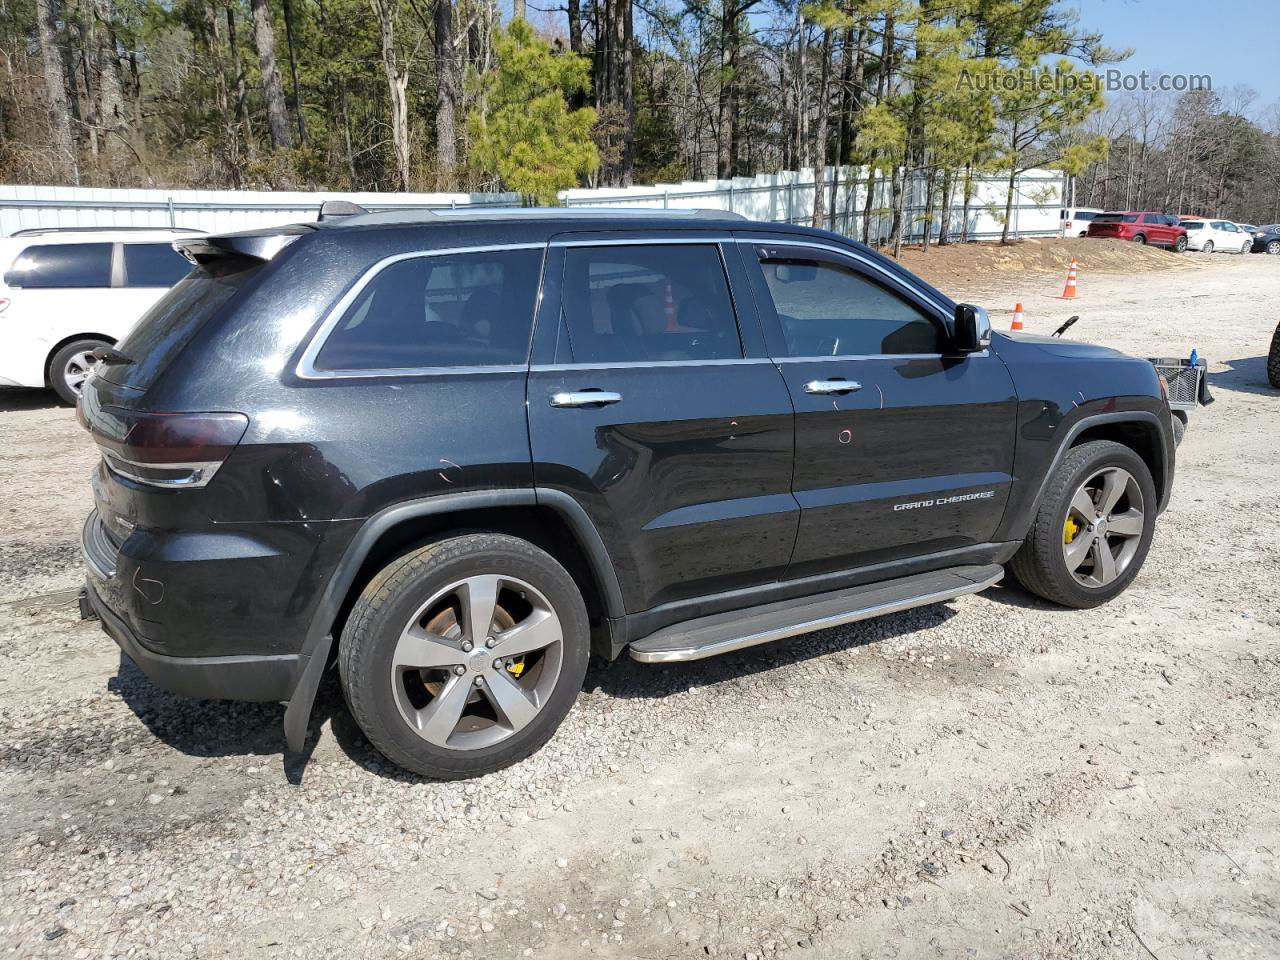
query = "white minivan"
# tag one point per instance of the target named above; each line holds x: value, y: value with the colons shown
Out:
x: 67, y: 293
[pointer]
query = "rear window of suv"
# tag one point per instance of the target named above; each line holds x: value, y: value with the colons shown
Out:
x: 169, y: 326
x: 61, y: 266
x: 1115, y: 218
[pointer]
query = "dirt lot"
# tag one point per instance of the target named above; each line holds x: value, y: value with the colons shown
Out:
x: 985, y: 778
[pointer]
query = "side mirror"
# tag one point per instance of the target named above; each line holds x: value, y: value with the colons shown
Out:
x: 972, y: 328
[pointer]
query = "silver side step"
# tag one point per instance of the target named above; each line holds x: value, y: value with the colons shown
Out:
x: 723, y: 632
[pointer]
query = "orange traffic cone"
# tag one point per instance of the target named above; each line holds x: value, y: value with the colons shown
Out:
x: 1017, y: 318
x: 1069, y: 292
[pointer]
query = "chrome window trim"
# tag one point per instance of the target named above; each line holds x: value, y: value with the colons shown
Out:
x: 852, y: 255
x: 643, y: 241
x: 306, y: 368
x: 638, y: 364
x: 883, y: 356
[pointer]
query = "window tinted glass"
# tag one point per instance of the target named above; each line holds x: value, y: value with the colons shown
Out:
x: 1109, y: 217
x: 832, y: 311
x: 169, y: 325
x: 62, y: 265
x: 648, y: 303
x: 1084, y: 215
x: 153, y: 265
x: 465, y: 310
x: 1193, y: 224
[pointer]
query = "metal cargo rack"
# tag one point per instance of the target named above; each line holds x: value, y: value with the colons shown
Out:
x: 1184, y: 381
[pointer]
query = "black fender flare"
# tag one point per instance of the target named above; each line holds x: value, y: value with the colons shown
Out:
x: 1077, y: 428
x: 319, y: 639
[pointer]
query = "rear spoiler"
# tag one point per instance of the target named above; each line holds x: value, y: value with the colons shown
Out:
x: 260, y: 245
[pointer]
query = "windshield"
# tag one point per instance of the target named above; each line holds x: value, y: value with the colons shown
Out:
x: 170, y: 325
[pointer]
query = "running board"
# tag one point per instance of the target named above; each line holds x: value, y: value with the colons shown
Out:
x: 723, y: 632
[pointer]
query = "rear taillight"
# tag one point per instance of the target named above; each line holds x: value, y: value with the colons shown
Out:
x: 165, y: 449
x: 4, y: 304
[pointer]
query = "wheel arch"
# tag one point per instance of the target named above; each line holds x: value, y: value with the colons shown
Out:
x: 550, y: 519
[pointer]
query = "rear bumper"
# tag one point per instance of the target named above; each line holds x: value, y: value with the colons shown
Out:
x: 260, y: 678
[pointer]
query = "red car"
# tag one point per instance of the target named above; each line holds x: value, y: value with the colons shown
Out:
x: 1157, y: 229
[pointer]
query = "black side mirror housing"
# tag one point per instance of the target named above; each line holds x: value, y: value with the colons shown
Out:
x: 972, y: 331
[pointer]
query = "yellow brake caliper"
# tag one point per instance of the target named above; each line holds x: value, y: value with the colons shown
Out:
x: 516, y: 667
x: 1070, y: 529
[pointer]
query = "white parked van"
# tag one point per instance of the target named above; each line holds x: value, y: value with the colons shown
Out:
x: 66, y: 293
x: 1074, y: 221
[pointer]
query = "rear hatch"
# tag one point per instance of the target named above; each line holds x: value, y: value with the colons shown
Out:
x: 154, y: 459
x: 1109, y: 224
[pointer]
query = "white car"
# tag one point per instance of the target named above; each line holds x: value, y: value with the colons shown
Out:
x: 67, y: 293
x: 1074, y: 221
x: 1209, y: 235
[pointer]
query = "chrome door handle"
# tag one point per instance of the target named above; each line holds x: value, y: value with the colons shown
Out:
x: 584, y: 398
x: 832, y: 386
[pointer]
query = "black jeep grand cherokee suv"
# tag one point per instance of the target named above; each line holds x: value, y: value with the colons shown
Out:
x: 458, y: 453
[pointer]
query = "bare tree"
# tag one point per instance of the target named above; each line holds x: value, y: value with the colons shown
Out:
x: 264, y: 37
x: 66, y: 163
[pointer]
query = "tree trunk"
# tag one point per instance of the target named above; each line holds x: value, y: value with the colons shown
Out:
x: 948, y: 198
x: 900, y: 187
x: 517, y: 9
x: 820, y: 136
x: 293, y: 74
x: 930, y: 183
x: 1008, y: 200
x: 802, y: 91
x: 575, y: 25
x: 727, y: 112
x: 242, y: 93
x: 65, y: 167
x: 871, y: 196
x: 264, y: 38
x: 968, y: 201
x: 446, y: 97
x: 626, y: 82
x: 397, y: 88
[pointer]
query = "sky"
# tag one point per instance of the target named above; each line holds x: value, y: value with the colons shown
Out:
x: 1234, y: 41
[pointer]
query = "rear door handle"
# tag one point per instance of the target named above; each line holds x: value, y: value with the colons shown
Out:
x: 585, y: 398
x: 832, y: 386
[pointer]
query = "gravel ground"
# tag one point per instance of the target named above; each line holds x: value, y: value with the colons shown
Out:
x: 985, y: 778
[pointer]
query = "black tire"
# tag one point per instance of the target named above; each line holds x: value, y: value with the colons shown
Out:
x: 1179, y: 427
x: 1180, y: 245
x: 1208, y: 247
x: 388, y: 604
x: 58, y: 374
x: 1273, y: 360
x: 1039, y: 564
x: 1139, y: 238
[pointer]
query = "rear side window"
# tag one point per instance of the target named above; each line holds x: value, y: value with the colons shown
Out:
x: 62, y: 265
x: 647, y: 304
x: 153, y: 265
x: 828, y: 310
x: 1084, y: 215
x: 169, y: 326
x: 461, y: 310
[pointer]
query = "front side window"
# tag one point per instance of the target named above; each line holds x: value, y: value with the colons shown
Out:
x: 62, y: 265
x: 459, y: 310
x: 828, y: 310
x: 153, y: 265
x: 647, y: 304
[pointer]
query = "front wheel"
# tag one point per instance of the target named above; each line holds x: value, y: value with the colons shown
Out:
x: 1180, y: 245
x: 1092, y: 531
x: 1273, y: 248
x: 1208, y: 247
x: 70, y: 366
x: 463, y: 657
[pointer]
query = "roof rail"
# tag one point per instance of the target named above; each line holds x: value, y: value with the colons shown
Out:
x: 407, y: 215
x: 43, y: 231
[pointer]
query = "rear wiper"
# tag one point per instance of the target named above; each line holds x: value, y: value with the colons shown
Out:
x: 110, y: 355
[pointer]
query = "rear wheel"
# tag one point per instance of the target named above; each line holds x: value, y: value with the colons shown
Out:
x: 1139, y: 238
x: 1273, y: 360
x: 70, y: 366
x: 1092, y: 531
x: 464, y: 656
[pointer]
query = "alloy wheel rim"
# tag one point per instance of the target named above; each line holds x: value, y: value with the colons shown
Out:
x: 1103, y: 527
x: 76, y: 370
x: 477, y: 662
